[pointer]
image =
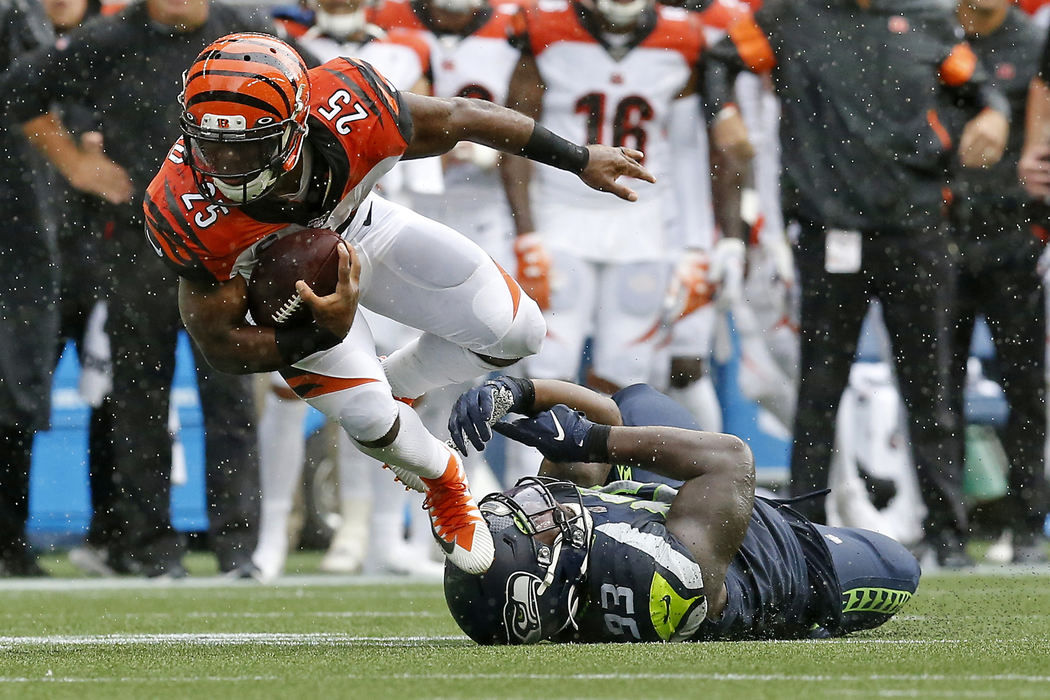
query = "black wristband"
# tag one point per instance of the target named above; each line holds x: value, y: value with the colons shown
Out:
x: 528, y: 395
x: 296, y: 342
x: 546, y: 147
x: 596, y: 444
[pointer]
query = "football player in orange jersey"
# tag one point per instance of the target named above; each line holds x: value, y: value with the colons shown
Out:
x: 341, y: 28
x: 270, y: 148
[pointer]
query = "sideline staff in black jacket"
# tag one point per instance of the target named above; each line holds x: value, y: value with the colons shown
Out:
x: 865, y: 158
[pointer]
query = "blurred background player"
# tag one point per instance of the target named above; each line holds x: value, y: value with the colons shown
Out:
x: 766, y: 320
x: 997, y: 272
x: 83, y: 302
x: 470, y: 57
x: 623, y: 74
x: 341, y: 28
x: 865, y: 164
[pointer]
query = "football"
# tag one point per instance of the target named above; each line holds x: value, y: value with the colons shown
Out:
x: 310, y: 255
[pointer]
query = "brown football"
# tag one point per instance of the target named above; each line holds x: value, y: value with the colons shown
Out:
x: 310, y: 255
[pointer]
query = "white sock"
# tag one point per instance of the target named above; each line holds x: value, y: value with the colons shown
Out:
x: 355, y: 468
x: 414, y: 448
x: 429, y: 362
x: 387, y: 525
x: 281, y: 454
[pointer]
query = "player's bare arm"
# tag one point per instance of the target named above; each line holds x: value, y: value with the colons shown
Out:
x: 711, y: 512
x: 525, y: 95
x: 1034, y: 168
x: 441, y: 123
x: 84, y: 165
x: 214, y: 315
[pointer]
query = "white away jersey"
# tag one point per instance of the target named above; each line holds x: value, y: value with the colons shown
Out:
x: 595, y: 96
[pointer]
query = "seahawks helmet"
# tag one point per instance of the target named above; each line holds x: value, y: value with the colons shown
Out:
x: 542, y: 537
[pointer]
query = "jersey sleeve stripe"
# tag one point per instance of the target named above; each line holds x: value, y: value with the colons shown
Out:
x: 309, y: 385
x: 166, y: 241
x: 384, y: 91
x: 392, y: 100
x: 752, y: 45
x: 360, y: 94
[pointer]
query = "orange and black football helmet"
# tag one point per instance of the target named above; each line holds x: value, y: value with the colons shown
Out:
x: 245, y: 101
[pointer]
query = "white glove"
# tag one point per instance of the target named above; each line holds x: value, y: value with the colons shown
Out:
x: 782, y: 258
x: 690, y: 288
x: 1043, y: 266
x: 727, y: 271
x: 96, y: 370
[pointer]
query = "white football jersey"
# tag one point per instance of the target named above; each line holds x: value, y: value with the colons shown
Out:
x: 594, y: 97
x: 614, y: 90
x: 401, y: 57
x: 476, y: 64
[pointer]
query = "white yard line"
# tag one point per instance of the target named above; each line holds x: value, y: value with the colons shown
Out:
x: 134, y: 583
x: 748, y: 677
x: 222, y: 638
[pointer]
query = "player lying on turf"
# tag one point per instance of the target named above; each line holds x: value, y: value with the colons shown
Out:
x: 269, y: 148
x: 632, y: 562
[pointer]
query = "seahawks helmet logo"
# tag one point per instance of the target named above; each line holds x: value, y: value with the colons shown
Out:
x: 521, y: 614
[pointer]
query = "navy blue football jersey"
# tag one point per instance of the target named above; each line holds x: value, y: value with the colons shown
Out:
x: 644, y: 585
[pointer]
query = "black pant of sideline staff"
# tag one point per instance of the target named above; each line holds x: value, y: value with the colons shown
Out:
x: 997, y: 277
x: 143, y: 326
x: 911, y: 272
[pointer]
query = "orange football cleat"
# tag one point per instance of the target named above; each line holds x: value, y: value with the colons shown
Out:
x: 456, y: 521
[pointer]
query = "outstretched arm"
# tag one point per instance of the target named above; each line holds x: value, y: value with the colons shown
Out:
x: 711, y: 512
x: 440, y: 123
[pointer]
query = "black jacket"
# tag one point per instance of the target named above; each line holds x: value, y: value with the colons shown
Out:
x: 28, y: 273
x: 863, y: 145
x: 130, y: 69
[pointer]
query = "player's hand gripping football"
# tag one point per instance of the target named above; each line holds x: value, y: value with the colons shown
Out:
x: 606, y: 164
x: 335, y: 312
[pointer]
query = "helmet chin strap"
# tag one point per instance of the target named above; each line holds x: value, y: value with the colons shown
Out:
x: 620, y: 14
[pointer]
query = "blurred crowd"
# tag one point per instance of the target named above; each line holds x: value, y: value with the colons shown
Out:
x: 829, y: 171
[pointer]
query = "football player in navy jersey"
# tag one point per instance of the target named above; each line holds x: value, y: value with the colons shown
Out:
x: 585, y: 556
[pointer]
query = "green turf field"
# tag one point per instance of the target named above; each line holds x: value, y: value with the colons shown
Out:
x: 976, y: 636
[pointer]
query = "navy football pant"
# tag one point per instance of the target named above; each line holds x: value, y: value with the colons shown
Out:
x: 878, y: 575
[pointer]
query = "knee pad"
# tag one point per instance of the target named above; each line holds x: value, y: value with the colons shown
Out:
x: 523, y: 337
x: 367, y: 412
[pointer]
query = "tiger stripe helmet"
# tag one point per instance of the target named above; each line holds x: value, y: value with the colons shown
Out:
x: 245, y: 101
